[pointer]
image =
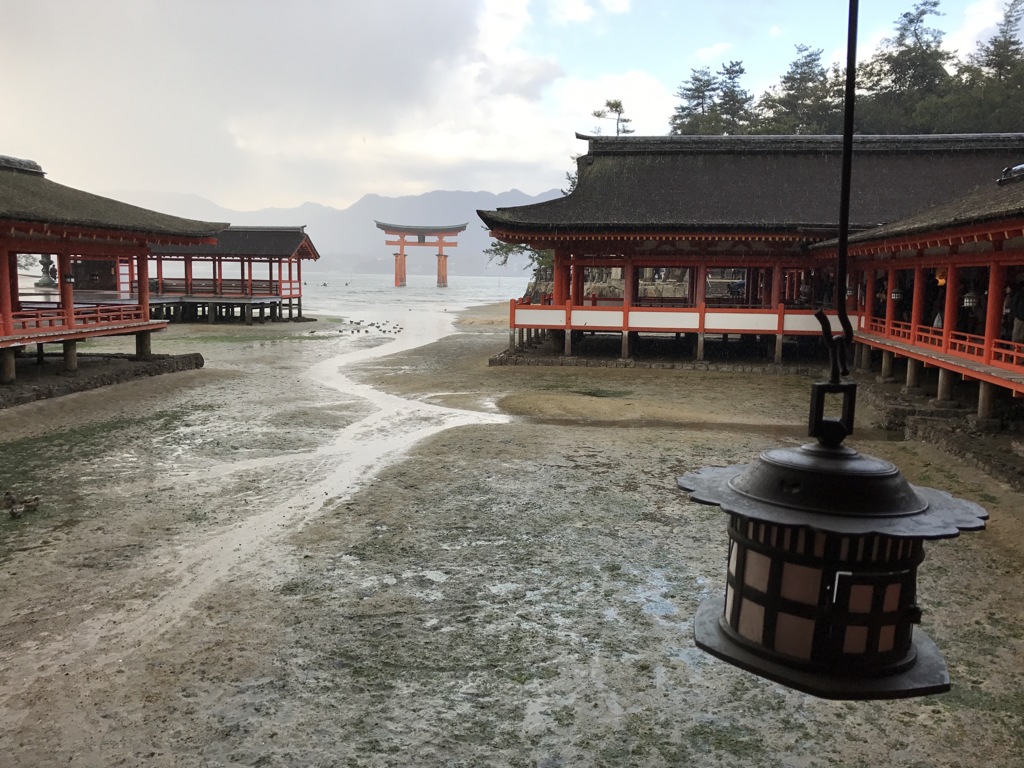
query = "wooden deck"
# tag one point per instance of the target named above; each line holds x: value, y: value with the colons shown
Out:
x: 972, y: 369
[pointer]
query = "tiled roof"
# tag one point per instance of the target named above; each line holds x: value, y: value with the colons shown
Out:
x: 266, y: 242
x: 986, y: 202
x: 758, y: 183
x: 26, y: 195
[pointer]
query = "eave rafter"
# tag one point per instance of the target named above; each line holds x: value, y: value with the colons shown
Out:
x: 60, y: 238
x: 980, y: 233
x: 550, y: 239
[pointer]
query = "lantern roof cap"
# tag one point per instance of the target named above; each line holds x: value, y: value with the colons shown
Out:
x: 833, y: 490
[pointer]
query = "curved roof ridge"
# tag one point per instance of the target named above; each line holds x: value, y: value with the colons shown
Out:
x: 421, y: 227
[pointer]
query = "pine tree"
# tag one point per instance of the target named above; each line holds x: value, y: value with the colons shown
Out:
x: 696, y: 112
x: 1004, y: 53
x: 613, y: 110
x: 802, y: 103
x: 734, y: 102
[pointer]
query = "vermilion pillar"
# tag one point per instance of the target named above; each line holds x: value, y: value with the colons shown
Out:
x: 917, y: 307
x: 6, y: 302
x: 67, y: 293
x: 560, y: 275
x: 400, y: 267
x: 994, y: 308
x: 577, y: 284
x: 143, y: 271
x: 442, y: 270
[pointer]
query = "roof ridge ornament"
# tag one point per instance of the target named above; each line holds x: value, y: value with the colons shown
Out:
x: 1011, y: 175
x: 8, y: 163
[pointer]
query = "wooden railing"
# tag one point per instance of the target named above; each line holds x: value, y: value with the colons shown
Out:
x: 969, y: 347
x: 656, y: 315
x: 39, y: 319
x: 55, y: 319
x: 660, y: 317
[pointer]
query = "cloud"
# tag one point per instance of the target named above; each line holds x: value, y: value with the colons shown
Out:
x: 565, y: 12
x: 712, y: 53
x: 253, y: 103
x: 977, y: 24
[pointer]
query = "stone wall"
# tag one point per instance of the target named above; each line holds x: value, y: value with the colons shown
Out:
x: 36, y: 382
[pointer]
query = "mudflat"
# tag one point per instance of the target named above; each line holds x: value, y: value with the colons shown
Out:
x: 296, y: 558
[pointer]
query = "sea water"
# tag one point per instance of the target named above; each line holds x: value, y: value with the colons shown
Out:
x: 337, y: 294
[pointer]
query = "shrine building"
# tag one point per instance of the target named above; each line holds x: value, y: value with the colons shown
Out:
x: 936, y: 289
x: 718, y: 237
x: 94, y: 254
x: 247, y: 271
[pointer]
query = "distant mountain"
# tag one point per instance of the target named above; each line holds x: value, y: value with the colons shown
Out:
x: 348, y: 240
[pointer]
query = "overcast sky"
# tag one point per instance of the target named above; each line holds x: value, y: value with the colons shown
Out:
x: 260, y: 103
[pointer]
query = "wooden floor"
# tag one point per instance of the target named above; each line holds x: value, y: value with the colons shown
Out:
x: 971, y: 368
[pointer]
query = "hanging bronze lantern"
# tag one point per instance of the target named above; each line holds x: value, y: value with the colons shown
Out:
x: 824, y: 545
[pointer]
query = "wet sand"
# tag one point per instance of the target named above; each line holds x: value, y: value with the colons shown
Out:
x: 295, y: 558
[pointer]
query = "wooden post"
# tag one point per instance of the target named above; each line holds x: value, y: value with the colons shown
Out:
x: 869, y: 298
x: 576, y: 285
x: 144, y: 345
x: 627, y: 301
x: 775, y: 300
x: 143, y: 295
x: 780, y: 337
x: 248, y: 314
x: 70, y: 356
x: 8, y: 365
x: 986, y: 400
x: 67, y: 288
x: 890, y: 307
x: 913, y: 375
x: 918, y: 308
x: 945, y: 393
x: 887, y: 361
x: 701, y: 294
x: 512, y: 326
x: 8, y: 287
x: 994, y: 308
x: 949, y: 311
x: 560, y: 273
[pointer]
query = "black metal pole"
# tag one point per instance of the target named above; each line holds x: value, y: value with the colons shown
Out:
x: 844, y: 192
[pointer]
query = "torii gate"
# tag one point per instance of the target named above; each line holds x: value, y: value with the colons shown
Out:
x: 421, y: 234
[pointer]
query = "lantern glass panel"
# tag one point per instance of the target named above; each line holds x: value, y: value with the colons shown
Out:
x: 801, y: 583
x: 751, y: 623
x: 892, y: 598
x: 856, y: 640
x: 860, y: 598
x: 886, y: 638
x: 794, y: 635
x: 755, y: 573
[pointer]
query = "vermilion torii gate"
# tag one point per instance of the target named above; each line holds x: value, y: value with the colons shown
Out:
x: 420, y: 236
